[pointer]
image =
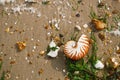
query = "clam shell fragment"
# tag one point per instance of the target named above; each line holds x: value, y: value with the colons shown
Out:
x: 99, y: 25
x: 76, y: 50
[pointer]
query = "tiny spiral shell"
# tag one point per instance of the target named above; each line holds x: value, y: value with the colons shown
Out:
x: 77, y: 50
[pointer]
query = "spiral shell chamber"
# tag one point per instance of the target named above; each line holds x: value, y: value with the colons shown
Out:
x: 77, y: 50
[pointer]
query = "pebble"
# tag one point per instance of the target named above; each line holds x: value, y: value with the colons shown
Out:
x: 26, y: 58
x: 42, y: 53
x: 34, y: 47
x: 17, y: 77
x: 118, y: 23
x: 32, y: 71
x: 64, y: 70
x: 85, y: 25
x: 33, y: 50
x: 6, y: 24
x: 77, y: 15
x: 32, y: 39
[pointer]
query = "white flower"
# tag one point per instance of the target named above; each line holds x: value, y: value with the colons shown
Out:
x: 53, y: 53
x: 99, y: 65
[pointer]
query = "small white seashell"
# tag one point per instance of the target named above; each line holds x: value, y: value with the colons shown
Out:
x: 78, y: 27
x: 77, y: 50
x: 99, y: 65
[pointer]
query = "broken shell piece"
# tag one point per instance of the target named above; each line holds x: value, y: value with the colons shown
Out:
x: 99, y: 25
x: 77, y: 50
x: 52, y: 44
x: 54, y: 53
x: 99, y: 65
x: 21, y: 45
x: 53, y: 49
x: 113, y: 62
x: 78, y: 27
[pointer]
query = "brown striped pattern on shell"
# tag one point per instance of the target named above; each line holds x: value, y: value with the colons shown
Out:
x: 77, y: 50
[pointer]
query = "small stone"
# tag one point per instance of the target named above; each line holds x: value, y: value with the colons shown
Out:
x: 32, y: 39
x: 30, y: 62
x: 16, y: 77
x: 66, y: 78
x: 47, y: 27
x: 118, y: 51
x: 21, y: 45
x: 85, y: 25
x: 42, y: 53
x: 77, y: 15
x: 113, y: 62
x: 64, y: 70
x: 1, y: 59
x: 60, y: 35
x: 57, y: 68
x: 101, y: 36
x: 7, y: 29
x: 6, y: 24
x: 32, y: 71
x: 34, y: 47
x: 33, y: 50
x: 26, y: 58
x: 2, y: 44
x: 10, y: 58
x: 12, y: 62
x: 40, y: 71
x: 115, y: 11
x: 11, y: 32
x: 101, y: 4
x: 56, y: 39
x: 118, y: 23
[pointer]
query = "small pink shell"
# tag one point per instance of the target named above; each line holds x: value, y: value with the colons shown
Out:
x: 77, y: 50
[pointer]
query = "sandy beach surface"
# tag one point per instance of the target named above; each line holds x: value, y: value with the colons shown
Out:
x: 36, y: 23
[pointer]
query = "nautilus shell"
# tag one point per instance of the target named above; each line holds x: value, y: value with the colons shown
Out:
x: 77, y: 50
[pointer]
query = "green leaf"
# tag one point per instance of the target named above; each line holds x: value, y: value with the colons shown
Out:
x: 1, y: 65
x: 53, y: 48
